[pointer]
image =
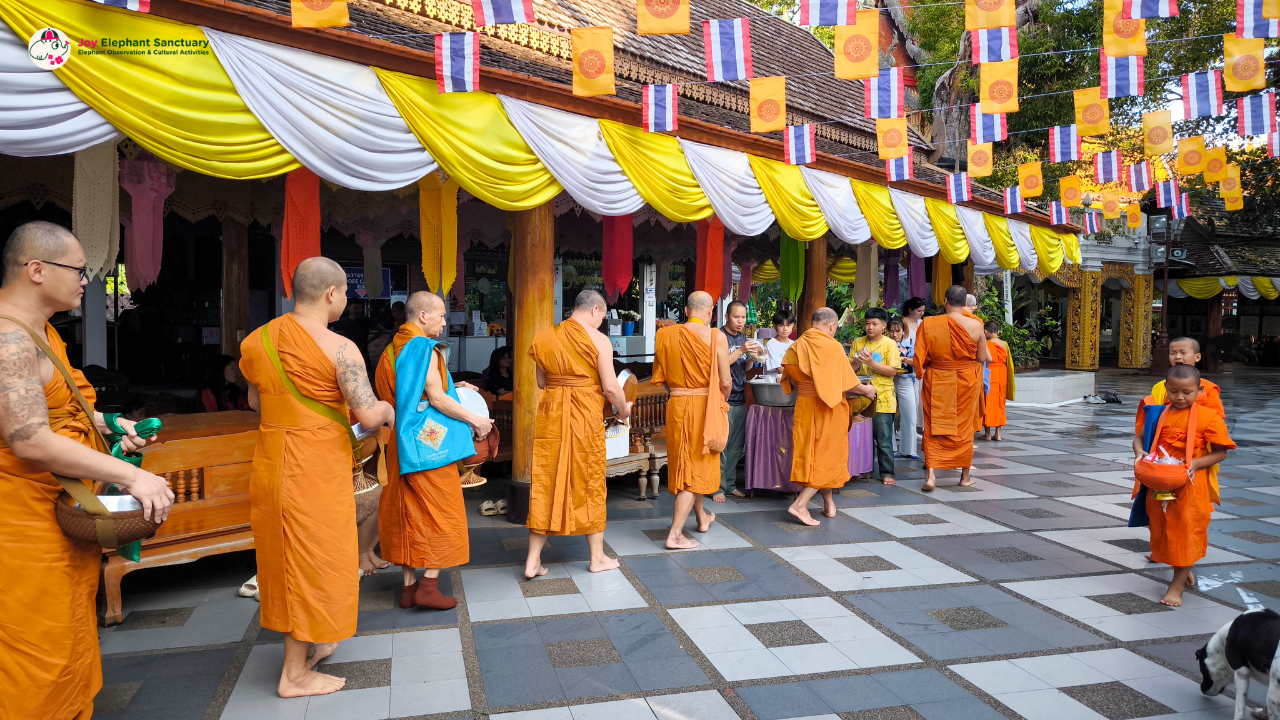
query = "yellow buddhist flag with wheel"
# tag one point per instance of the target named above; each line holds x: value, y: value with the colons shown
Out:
x: 1030, y: 180
x: 1215, y: 164
x: 857, y: 47
x: 1093, y: 112
x: 662, y: 17
x: 768, y: 104
x: 1242, y: 68
x: 592, y: 61
x: 981, y: 159
x: 1122, y: 37
x: 989, y: 14
x: 1069, y: 191
x: 1191, y: 155
x: 1157, y: 133
x: 1230, y: 185
x: 1271, y: 9
x: 1110, y: 205
x: 1133, y: 216
x: 891, y: 137
x: 1235, y: 203
x: 319, y: 13
x: 998, y: 87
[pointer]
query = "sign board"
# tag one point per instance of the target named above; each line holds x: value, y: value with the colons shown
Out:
x: 355, y: 284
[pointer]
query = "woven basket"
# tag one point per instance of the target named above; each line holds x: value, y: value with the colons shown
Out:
x: 1160, y: 478
x: 79, y: 524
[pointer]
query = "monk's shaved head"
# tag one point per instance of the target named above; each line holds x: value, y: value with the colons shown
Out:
x: 1184, y: 372
x: 824, y: 316
x: 699, y: 301
x: 422, y: 301
x: 588, y: 299
x: 34, y: 241
x: 956, y: 295
x: 1195, y: 344
x: 314, y: 277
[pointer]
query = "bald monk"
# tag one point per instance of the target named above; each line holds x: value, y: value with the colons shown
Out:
x: 816, y: 369
x: 950, y: 350
x: 993, y: 416
x: 692, y: 362
x: 421, y: 516
x: 49, y: 662
x: 567, y: 496
x: 1186, y: 351
x: 301, y: 505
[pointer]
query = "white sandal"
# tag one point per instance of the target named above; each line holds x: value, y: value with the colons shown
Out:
x: 488, y: 508
x: 250, y: 588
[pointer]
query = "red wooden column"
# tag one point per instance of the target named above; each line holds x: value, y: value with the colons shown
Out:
x: 814, y: 294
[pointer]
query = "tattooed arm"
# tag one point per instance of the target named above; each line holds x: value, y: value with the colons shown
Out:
x: 24, y: 424
x: 353, y: 378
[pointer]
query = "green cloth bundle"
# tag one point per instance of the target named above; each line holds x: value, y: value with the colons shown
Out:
x: 146, y: 428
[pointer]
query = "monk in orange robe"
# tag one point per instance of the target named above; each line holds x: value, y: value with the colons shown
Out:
x: 816, y: 369
x: 567, y: 491
x: 421, y: 516
x: 50, y: 667
x: 1179, y: 527
x: 302, y: 508
x: 993, y: 414
x: 950, y: 350
x: 1186, y: 351
x: 692, y: 362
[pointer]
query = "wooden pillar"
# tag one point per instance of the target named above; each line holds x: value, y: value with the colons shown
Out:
x: 968, y: 276
x: 814, y: 294
x: 533, y: 252
x: 235, y: 285
x: 1135, y: 323
x: 1084, y: 321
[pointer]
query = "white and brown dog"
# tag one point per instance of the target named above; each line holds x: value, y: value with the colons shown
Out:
x: 1244, y: 649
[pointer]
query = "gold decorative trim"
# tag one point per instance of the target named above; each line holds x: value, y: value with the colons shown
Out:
x: 1084, y: 306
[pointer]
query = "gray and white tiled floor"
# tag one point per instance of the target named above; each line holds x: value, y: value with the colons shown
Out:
x: 1024, y: 597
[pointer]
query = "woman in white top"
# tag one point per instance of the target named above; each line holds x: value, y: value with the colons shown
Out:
x: 912, y: 312
x: 776, y: 347
x: 907, y: 386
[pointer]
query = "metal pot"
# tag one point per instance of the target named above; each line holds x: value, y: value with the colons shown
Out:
x: 770, y: 394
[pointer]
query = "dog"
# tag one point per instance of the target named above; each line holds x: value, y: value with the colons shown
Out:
x: 1242, y: 649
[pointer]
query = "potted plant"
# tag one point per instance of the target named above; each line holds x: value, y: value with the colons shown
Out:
x: 629, y: 319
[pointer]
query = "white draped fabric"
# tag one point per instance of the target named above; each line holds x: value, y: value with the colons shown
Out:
x: 1175, y: 290
x: 981, y: 251
x: 839, y: 205
x: 39, y: 115
x: 576, y: 154
x: 731, y: 186
x: 1244, y: 285
x: 1021, y: 233
x: 915, y: 223
x: 330, y: 114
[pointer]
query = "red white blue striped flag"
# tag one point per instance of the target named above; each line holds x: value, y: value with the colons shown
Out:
x: 1202, y: 94
x: 1106, y: 167
x: 1013, y: 201
x: 900, y: 168
x: 1122, y: 77
x: 1141, y: 9
x: 1256, y: 114
x: 1058, y: 215
x: 502, y: 12
x: 457, y: 62
x: 1182, y: 208
x: 1092, y: 221
x: 959, y: 188
x: 995, y: 45
x: 1139, y: 176
x: 1167, y: 193
x: 797, y: 144
x: 142, y: 6
x: 727, y: 45
x: 1273, y: 145
x: 987, y: 128
x: 1250, y: 22
x: 1064, y: 144
x: 884, y: 95
x: 658, y: 107
x: 828, y: 12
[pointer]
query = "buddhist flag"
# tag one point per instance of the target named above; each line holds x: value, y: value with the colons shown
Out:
x: 1030, y: 180
x: 1139, y: 177
x: 1191, y: 155
x: 502, y: 12
x: 986, y: 14
x: 1122, y: 77
x: 1230, y: 185
x: 1121, y: 36
x: 1270, y: 9
x: 1256, y: 114
x: 1110, y: 205
x: 857, y: 47
x: 1069, y: 190
x: 1242, y: 67
x: 1133, y: 216
x: 1157, y: 133
x: 891, y: 137
x: 319, y: 13
x: 1252, y: 21
x: 1058, y: 214
x: 1215, y: 164
x: 662, y: 17
x: 592, y: 61
x: 998, y: 86
x: 1235, y: 203
x: 768, y: 104
x: 1202, y: 94
x: 828, y: 12
x: 1093, y: 112
x: 980, y: 159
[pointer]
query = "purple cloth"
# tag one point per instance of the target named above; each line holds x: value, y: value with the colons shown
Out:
x: 768, y: 452
x: 915, y: 277
x: 860, y: 446
x: 892, y: 288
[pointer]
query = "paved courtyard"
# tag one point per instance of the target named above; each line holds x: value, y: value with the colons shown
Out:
x: 1024, y: 596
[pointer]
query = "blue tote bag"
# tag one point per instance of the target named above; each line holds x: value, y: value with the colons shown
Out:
x: 426, y: 438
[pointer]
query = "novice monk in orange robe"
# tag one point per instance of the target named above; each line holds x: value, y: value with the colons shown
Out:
x: 50, y: 667
x: 302, y: 509
x: 697, y: 413
x: 949, y: 351
x: 1179, y: 527
x: 816, y: 367
x: 1001, y: 381
x: 567, y: 493
x: 1186, y: 351
x: 421, y: 516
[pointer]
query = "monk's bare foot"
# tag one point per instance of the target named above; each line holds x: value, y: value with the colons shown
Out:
x: 704, y: 523
x: 739, y: 493
x: 677, y: 541
x: 531, y: 572
x: 998, y: 438
x: 310, y: 683
x: 802, y: 514
x: 888, y: 480
x: 718, y: 497
x: 604, y: 564
x: 371, y: 563
x: 965, y: 481
x: 1191, y: 580
x: 319, y: 651
x: 1173, y: 598
x: 1149, y: 558
x: 829, y: 508
x: 929, y: 484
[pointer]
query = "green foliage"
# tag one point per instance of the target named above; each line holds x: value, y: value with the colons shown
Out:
x: 1024, y: 345
x: 791, y: 9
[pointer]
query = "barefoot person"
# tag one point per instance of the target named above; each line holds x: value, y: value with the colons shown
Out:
x: 302, y: 509
x: 950, y: 350
x: 421, y: 517
x: 1002, y: 387
x: 49, y: 658
x: 692, y: 362
x: 741, y: 350
x: 567, y: 496
x: 816, y: 370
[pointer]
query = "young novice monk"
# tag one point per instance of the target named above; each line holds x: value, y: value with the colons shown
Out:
x: 1179, y: 527
x: 1186, y: 351
x: 1001, y: 381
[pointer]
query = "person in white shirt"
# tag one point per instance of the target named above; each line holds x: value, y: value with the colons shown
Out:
x: 775, y: 347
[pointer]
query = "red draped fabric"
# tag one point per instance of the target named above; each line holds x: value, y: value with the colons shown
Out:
x: 615, y: 265
x: 301, y: 238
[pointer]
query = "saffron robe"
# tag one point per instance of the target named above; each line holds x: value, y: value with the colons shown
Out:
x: 1211, y: 397
x: 696, y: 410
x: 301, y: 505
x: 1001, y: 373
x: 951, y: 395
x: 422, y: 519
x: 50, y: 667
x: 820, y: 425
x: 567, y: 495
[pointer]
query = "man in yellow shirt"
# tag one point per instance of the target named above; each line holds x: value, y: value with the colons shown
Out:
x: 877, y: 355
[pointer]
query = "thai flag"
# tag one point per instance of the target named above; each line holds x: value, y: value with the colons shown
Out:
x: 1273, y: 145
x: 142, y: 6
x: 727, y: 45
x: 658, y: 107
x: 1182, y: 208
x: 1064, y: 144
x: 1122, y: 77
x: 884, y: 95
x: 995, y: 45
x: 1058, y: 215
x: 1257, y: 114
x: 1139, y: 176
x: 1167, y: 193
x: 1141, y: 9
x: 1202, y: 94
x: 1092, y: 221
x: 987, y: 128
x: 828, y: 12
x: 1106, y: 167
x: 502, y: 12
x: 457, y: 62
x: 959, y: 188
x: 797, y: 144
x: 1251, y: 24
x: 900, y: 168
x: 1013, y: 201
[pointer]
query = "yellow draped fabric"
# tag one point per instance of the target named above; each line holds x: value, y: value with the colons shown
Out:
x: 877, y: 208
x: 789, y: 197
x: 1231, y: 280
x: 1071, y: 244
x: 470, y: 136
x: 181, y: 108
x: 438, y: 221
x: 842, y: 269
x: 1049, y: 250
x: 766, y: 272
x: 946, y: 226
x: 656, y: 166
x: 1006, y: 252
x: 1265, y: 287
x: 941, y: 280
x: 1200, y: 288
